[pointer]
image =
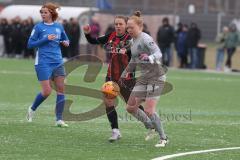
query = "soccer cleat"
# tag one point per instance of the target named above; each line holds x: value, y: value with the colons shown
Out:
x: 30, y: 114
x: 151, y: 134
x: 162, y: 143
x: 116, y: 135
x: 61, y: 123
x: 227, y: 69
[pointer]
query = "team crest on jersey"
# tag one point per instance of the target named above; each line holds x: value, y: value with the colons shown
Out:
x: 151, y: 43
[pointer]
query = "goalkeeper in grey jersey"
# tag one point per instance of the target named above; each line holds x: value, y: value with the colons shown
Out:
x: 146, y: 57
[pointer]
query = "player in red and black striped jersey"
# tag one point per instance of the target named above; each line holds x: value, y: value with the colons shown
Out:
x: 117, y: 44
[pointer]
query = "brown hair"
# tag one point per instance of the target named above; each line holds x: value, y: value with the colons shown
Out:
x: 121, y: 17
x: 52, y: 7
x: 137, y: 18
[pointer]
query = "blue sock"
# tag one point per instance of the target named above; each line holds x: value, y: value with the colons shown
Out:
x: 60, y: 106
x: 38, y: 100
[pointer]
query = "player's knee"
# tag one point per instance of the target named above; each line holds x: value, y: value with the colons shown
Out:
x: 149, y: 111
x: 109, y: 105
x: 109, y: 109
x: 46, y: 92
x: 109, y: 102
x: 60, y: 88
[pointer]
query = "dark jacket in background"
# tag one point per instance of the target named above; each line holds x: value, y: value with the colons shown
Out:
x: 17, y: 42
x: 74, y: 37
x: 7, y: 38
x: 165, y: 36
x: 193, y: 37
x: 26, y: 30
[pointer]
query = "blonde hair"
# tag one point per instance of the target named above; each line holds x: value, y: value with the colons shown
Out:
x: 136, y: 17
x: 52, y: 7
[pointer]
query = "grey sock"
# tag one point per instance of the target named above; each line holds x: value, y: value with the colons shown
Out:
x: 141, y: 116
x: 158, y: 125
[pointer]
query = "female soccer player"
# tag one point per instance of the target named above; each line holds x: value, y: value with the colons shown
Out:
x: 47, y: 36
x: 117, y: 45
x: 147, y: 56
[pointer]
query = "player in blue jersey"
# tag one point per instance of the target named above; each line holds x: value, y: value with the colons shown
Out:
x: 46, y: 37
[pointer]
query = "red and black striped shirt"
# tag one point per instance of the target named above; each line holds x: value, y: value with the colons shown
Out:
x: 113, y: 44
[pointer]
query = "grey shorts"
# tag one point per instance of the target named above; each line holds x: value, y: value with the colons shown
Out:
x: 149, y: 89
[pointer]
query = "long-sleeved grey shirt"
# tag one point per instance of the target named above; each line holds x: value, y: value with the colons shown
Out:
x: 151, y: 69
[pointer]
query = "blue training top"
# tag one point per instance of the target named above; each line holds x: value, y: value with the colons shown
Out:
x: 48, y: 51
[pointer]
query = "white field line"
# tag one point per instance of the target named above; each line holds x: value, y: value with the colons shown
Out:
x: 195, y: 152
x: 103, y: 75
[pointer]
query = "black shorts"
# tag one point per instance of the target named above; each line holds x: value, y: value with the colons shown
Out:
x: 126, y: 88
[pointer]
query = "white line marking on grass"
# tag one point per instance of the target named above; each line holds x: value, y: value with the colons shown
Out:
x: 103, y: 75
x: 205, y: 71
x: 195, y: 152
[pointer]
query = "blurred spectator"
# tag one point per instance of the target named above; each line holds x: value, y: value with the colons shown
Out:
x: 181, y: 46
x: 27, y: 26
x: 179, y: 28
x: 145, y: 28
x: 177, y: 31
x: 193, y: 37
x: 220, y: 39
x: 231, y: 43
x: 165, y: 37
x: 74, y: 37
x: 1, y: 39
x: 95, y: 31
x: 65, y: 50
x: 16, y: 32
x: 110, y: 29
x: 17, y: 43
x: 6, y: 30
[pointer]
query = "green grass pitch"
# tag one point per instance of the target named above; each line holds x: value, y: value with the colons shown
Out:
x: 201, y: 112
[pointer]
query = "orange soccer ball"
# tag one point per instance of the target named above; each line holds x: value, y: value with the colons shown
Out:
x: 110, y: 89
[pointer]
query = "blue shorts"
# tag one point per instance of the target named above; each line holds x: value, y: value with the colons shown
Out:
x: 49, y: 71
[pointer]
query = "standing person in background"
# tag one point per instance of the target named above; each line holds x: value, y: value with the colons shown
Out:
x: 26, y: 32
x: 109, y: 30
x: 1, y: 38
x: 165, y: 37
x: 177, y: 31
x: 65, y: 50
x: 221, y: 40
x: 145, y: 29
x: 47, y: 36
x: 74, y: 37
x: 17, y: 37
x: 181, y: 46
x: 232, y: 41
x: 193, y: 38
x: 95, y: 31
x: 7, y: 38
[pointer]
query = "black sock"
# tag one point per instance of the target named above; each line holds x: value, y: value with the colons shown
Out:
x: 112, y: 116
x: 141, y: 107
